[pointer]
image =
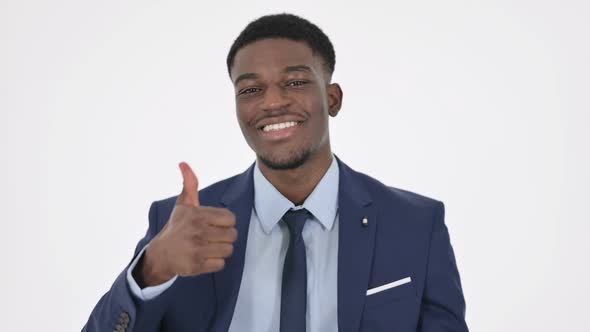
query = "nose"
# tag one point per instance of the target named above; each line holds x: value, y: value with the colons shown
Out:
x: 274, y: 99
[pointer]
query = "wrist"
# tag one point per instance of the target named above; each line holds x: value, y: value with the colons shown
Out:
x: 149, y: 271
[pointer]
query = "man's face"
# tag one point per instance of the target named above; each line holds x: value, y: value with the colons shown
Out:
x: 283, y: 101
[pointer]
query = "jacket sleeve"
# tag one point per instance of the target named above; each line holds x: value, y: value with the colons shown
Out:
x: 443, y: 304
x: 119, y: 309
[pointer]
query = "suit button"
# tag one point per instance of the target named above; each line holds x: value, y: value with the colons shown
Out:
x: 124, y: 319
x: 123, y: 322
x: 125, y: 316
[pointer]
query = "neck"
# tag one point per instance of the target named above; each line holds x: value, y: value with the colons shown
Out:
x: 298, y: 183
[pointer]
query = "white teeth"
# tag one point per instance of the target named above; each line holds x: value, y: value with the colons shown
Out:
x: 277, y: 126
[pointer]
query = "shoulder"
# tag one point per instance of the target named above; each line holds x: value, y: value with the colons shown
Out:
x: 387, y: 192
x: 395, y: 201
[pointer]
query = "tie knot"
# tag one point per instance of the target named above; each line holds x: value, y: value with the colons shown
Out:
x: 295, y: 220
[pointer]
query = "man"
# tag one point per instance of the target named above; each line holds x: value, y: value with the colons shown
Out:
x: 299, y: 241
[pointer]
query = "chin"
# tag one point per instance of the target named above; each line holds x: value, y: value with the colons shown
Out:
x: 291, y: 161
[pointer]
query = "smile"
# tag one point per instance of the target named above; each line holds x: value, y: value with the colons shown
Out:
x: 278, y: 126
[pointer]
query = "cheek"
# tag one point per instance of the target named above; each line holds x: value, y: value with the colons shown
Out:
x: 320, y: 112
x: 245, y: 118
x: 312, y: 101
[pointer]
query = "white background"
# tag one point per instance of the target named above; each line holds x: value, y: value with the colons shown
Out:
x: 483, y: 105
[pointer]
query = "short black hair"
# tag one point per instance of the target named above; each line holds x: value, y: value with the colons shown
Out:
x: 286, y: 26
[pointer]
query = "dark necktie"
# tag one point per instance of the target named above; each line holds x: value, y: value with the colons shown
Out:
x: 294, y: 288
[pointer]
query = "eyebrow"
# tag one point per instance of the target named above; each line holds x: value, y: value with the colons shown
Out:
x: 247, y: 76
x: 251, y: 76
x: 297, y: 68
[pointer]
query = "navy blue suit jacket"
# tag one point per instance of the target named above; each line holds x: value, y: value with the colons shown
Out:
x: 405, y: 237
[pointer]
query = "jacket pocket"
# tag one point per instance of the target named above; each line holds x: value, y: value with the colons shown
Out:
x: 395, y: 290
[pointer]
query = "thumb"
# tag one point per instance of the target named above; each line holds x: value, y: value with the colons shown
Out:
x: 190, y: 186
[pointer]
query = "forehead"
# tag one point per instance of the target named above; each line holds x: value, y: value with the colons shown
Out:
x: 267, y: 55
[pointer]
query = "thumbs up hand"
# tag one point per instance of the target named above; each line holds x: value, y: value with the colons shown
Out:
x: 196, y: 239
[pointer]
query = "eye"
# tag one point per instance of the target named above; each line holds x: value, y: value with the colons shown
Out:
x: 248, y: 91
x: 296, y: 83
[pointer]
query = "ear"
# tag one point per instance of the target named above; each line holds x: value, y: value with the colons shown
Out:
x: 334, y: 99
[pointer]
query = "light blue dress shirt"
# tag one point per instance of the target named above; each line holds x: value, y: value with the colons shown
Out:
x: 259, y: 299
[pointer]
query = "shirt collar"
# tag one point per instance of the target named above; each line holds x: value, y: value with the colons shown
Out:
x: 271, y: 205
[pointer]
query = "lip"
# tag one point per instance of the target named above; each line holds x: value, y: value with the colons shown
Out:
x: 280, y: 134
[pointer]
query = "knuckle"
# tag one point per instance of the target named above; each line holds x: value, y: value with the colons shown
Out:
x: 193, y: 267
x: 198, y: 232
x: 198, y: 250
x: 199, y: 217
x: 204, y: 233
x: 199, y: 263
x: 200, y: 229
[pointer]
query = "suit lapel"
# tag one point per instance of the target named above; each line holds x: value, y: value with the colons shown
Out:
x: 355, y: 247
x: 239, y: 198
